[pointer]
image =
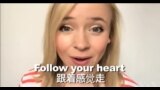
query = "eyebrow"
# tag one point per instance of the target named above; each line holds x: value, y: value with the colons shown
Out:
x: 92, y: 18
x: 67, y: 18
x: 98, y: 19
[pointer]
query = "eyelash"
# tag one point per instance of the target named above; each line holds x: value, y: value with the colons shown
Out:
x: 100, y: 29
x: 95, y: 29
x: 64, y: 27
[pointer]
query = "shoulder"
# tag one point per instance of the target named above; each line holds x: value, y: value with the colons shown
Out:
x: 128, y: 82
x: 28, y: 79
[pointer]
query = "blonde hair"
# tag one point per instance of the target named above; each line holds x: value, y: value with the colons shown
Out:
x: 55, y: 16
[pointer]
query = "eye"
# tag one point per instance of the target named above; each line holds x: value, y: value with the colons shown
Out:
x: 65, y: 28
x: 97, y: 29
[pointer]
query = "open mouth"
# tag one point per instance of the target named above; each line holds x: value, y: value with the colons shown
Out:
x: 81, y: 60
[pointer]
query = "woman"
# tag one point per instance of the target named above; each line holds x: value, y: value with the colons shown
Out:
x: 80, y: 35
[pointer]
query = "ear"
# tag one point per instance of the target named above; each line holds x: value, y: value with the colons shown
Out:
x: 109, y: 40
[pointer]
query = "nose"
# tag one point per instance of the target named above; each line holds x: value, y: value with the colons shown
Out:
x: 81, y: 42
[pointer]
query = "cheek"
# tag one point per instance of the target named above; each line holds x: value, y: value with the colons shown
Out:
x: 62, y: 44
x: 100, y: 45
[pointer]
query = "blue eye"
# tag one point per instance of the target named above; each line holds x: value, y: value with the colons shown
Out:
x: 97, y: 29
x: 65, y: 28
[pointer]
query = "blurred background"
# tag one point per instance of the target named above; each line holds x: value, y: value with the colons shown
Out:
x: 22, y: 28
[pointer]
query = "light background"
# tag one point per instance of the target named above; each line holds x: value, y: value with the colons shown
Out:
x: 22, y: 27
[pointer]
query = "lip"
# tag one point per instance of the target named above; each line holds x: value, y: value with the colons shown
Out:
x: 81, y: 61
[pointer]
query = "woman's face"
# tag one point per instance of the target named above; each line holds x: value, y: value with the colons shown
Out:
x: 84, y: 34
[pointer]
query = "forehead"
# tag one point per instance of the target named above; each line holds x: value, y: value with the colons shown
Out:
x: 89, y: 10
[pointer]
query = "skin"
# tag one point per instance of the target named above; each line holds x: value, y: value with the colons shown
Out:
x: 84, y: 34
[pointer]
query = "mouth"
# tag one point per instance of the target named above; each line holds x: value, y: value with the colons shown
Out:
x: 81, y: 61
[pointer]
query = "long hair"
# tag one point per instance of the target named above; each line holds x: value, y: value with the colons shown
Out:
x: 56, y: 14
